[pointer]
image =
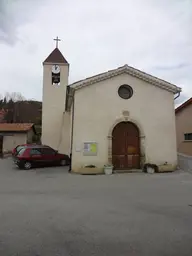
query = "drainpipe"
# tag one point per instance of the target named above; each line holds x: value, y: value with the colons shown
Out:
x: 177, y: 95
x: 72, y: 125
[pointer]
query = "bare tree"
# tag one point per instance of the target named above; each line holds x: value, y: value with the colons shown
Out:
x: 13, y: 100
x: 14, y: 96
x: 21, y: 110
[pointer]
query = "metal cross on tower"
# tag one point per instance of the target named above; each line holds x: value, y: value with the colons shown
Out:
x: 57, y: 41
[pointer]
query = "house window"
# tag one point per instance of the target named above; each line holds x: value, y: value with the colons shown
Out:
x: 188, y: 136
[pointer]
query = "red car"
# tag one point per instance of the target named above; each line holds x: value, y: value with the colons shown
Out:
x: 18, y: 148
x: 39, y: 156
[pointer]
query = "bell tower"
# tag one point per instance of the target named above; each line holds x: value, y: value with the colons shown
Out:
x: 55, y: 81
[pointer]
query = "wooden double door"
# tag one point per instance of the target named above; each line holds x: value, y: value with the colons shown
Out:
x: 126, y: 146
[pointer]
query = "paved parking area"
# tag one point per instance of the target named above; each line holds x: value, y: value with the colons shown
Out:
x: 49, y: 212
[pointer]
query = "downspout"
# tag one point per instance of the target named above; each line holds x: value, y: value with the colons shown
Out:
x: 61, y: 131
x: 177, y: 95
x: 72, y: 125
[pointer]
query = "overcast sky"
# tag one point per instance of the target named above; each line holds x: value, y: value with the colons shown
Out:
x: 152, y: 35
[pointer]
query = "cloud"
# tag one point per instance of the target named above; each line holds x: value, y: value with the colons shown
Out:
x: 182, y: 98
x: 154, y: 36
x: 13, y: 14
x: 174, y: 67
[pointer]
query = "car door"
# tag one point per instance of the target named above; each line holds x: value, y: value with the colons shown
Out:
x: 36, y: 157
x: 49, y: 156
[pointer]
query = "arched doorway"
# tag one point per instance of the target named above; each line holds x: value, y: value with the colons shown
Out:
x: 126, y: 146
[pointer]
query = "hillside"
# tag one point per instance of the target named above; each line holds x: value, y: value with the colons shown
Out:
x: 23, y: 111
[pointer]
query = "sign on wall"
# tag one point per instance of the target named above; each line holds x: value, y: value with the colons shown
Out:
x: 90, y: 149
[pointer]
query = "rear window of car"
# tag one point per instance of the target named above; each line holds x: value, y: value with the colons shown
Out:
x: 19, y: 148
x: 20, y: 153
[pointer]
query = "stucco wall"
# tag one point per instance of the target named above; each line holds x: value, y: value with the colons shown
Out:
x: 98, y: 106
x: 53, y: 117
x: 185, y: 162
x: 65, y: 139
x: 184, y: 125
x: 30, y: 134
x: 10, y: 142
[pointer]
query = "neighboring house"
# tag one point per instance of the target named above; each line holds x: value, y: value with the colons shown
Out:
x: 123, y: 117
x: 13, y: 134
x: 184, y: 127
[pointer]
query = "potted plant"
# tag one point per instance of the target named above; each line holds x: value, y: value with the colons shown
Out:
x: 150, y: 168
x: 108, y: 169
x: 89, y: 169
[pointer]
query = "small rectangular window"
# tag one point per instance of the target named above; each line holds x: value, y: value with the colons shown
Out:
x: 188, y: 136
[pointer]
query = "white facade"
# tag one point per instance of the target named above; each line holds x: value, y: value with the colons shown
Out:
x: 55, y: 121
x: 97, y: 108
x: 13, y: 139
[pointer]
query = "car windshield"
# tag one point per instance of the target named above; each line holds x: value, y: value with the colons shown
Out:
x: 21, y: 151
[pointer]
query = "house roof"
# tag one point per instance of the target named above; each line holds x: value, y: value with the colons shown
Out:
x: 16, y: 127
x: 184, y: 105
x: 56, y: 57
x: 127, y: 70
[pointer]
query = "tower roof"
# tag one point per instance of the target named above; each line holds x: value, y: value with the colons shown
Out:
x: 56, y: 57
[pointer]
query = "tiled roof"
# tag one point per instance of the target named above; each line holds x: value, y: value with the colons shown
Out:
x: 15, y: 127
x: 56, y: 57
x: 184, y: 105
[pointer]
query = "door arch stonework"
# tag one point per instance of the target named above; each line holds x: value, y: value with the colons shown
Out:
x: 141, y: 139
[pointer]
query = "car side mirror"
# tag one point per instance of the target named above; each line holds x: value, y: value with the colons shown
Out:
x: 56, y: 152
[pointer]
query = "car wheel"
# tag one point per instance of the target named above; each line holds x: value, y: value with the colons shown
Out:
x: 27, y: 165
x: 63, y: 162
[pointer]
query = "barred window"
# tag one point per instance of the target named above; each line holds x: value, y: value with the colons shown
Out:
x: 188, y: 136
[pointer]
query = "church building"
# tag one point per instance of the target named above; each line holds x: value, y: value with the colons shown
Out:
x: 121, y: 117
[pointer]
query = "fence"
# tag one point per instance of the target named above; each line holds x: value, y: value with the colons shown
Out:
x: 185, y: 162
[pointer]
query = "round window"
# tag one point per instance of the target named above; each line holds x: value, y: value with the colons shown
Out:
x: 125, y: 91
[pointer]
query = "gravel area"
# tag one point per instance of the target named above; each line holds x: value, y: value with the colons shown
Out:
x: 50, y: 212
